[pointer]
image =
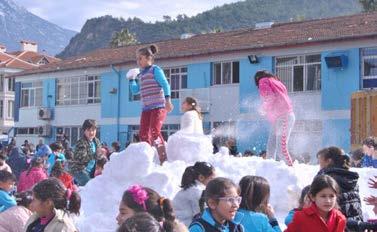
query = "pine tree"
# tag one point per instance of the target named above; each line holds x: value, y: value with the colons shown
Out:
x: 369, y: 5
x: 123, y: 38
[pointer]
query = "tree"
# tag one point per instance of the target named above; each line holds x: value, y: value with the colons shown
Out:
x: 369, y: 5
x: 123, y: 38
x: 167, y: 18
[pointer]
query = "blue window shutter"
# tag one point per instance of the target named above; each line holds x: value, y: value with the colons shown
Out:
x: 17, y: 101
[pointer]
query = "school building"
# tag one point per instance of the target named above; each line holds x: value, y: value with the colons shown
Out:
x: 322, y: 62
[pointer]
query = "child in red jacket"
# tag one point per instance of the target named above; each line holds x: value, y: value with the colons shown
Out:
x: 321, y: 216
x: 58, y: 172
x: 32, y: 176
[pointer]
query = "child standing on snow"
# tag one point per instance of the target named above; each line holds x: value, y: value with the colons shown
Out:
x: 322, y: 214
x: 154, y: 91
x: 191, y: 120
x: 194, y: 181
x: 278, y: 109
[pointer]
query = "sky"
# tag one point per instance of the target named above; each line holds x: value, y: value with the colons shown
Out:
x: 72, y: 14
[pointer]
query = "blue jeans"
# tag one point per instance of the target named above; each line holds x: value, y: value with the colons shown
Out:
x: 82, y: 177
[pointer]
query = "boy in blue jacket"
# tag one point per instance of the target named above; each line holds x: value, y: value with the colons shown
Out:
x: 7, y: 181
x: 370, y: 151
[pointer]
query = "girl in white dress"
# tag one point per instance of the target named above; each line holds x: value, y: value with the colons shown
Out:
x: 189, y: 143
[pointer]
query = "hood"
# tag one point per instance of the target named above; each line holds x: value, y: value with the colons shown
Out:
x: 347, y: 180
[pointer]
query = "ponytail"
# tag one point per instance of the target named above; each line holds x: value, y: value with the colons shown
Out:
x: 148, y: 51
x: 337, y: 157
x: 189, y: 177
x: 192, y: 173
x: 194, y: 105
x: 74, y: 202
x: 168, y: 215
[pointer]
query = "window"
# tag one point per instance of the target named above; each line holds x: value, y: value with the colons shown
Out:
x: 2, y: 82
x: 177, y: 78
x: 300, y: 73
x: 78, y: 90
x: 11, y: 84
x: 369, y: 67
x: 166, y: 131
x: 10, y: 110
x: 169, y: 129
x: 73, y: 133
x: 31, y: 94
x: 1, y: 109
x: 26, y: 131
x: 226, y: 73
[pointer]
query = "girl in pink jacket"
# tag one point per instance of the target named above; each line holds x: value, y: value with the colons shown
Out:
x: 33, y: 175
x: 277, y: 107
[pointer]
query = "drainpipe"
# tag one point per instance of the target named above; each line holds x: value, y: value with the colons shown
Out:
x: 118, y: 106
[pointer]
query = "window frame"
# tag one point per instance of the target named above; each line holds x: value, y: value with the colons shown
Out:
x: 373, y: 55
x: 232, y: 74
x: 301, y: 62
x: 81, y: 90
x: 32, y: 89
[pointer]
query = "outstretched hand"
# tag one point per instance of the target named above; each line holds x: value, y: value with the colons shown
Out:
x: 371, y: 200
x: 372, y: 182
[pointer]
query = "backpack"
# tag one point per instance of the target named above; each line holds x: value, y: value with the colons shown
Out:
x: 206, y: 227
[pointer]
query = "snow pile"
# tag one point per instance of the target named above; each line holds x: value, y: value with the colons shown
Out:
x: 135, y: 165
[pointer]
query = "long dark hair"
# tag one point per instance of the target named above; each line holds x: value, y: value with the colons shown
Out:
x: 160, y: 208
x: 54, y: 189
x: 321, y: 182
x: 337, y: 157
x: 192, y: 173
x: 24, y: 198
x: 216, y: 189
x: 57, y: 170
x: 263, y: 74
x: 255, y: 190
x: 194, y: 105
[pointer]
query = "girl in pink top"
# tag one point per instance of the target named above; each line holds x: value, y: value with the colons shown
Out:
x: 32, y: 176
x: 277, y: 107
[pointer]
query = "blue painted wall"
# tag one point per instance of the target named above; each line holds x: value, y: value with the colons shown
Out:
x: 108, y: 134
x: 337, y: 132
x: 338, y: 84
x: 249, y: 97
x: 253, y: 134
x: 109, y: 101
x: 199, y: 75
x: 49, y: 93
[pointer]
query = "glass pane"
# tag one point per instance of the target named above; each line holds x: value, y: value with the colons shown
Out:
x: 38, y: 96
x: 313, y: 58
x: 184, y: 70
x: 370, y: 67
x: 31, y: 97
x: 83, y: 91
x: 167, y: 73
x: 226, y: 73
x: 184, y: 81
x: 286, y: 60
x: 313, y: 77
x: 24, y: 97
x: 236, y: 72
x: 67, y: 132
x: 217, y: 74
x: 97, y: 89
x: 174, y: 84
x: 298, y: 78
x: 369, y: 83
x: 369, y: 51
x: 286, y: 76
x: 75, y: 92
